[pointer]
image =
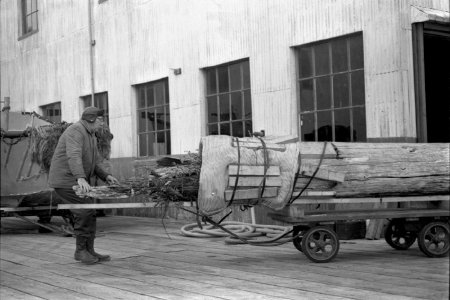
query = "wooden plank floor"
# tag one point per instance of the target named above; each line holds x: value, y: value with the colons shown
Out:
x: 151, y: 262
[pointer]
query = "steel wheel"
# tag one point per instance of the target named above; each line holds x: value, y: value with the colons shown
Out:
x: 397, y: 237
x: 434, y: 239
x: 297, y: 241
x: 320, y: 244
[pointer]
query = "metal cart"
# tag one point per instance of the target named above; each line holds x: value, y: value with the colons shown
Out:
x: 315, y: 237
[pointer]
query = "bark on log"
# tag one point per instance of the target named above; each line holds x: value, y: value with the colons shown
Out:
x: 388, y: 169
x: 371, y: 170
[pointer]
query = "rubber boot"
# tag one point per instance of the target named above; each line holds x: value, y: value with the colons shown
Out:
x: 81, y: 252
x: 90, y: 248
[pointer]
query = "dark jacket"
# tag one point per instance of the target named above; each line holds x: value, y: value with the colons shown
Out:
x: 76, y: 156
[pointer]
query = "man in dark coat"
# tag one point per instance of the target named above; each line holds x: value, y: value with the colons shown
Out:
x: 75, y: 162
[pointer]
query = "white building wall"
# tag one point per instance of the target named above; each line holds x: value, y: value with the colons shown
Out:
x: 138, y: 41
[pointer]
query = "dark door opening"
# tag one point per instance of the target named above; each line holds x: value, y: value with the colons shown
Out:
x: 432, y: 80
x: 437, y: 87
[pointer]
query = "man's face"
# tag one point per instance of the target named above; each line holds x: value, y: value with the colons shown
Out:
x: 98, y: 122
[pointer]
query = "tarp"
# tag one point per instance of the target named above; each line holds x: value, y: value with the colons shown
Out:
x: 19, y: 175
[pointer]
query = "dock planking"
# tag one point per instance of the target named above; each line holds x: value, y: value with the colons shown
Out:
x: 154, y: 261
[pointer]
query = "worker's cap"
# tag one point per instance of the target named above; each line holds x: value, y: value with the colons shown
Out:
x: 91, y: 113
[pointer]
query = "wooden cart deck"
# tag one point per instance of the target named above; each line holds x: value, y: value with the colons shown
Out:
x: 147, y: 264
x: 326, y: 216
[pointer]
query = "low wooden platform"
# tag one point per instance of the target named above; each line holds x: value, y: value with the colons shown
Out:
x: 151, y: 262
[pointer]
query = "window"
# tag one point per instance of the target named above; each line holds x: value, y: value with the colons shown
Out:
x: 153, y: 118
x: 100, y: 101
x: 331, y: 90
x: 29, y: 17
x: 52, y: 112
x: 228, y: 100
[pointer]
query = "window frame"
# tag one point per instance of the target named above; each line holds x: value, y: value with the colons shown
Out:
x: 23, y: 15
x: 165, y: 106
x: 55, y: 106
x: 350, y: 108
x: 244, y: 90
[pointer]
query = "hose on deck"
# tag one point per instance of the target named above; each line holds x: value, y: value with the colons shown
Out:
x: 253, y: 234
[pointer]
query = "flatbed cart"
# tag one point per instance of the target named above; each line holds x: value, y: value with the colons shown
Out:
x: 314, y: 234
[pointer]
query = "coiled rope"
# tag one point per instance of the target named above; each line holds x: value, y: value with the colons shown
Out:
x: 253, y: 234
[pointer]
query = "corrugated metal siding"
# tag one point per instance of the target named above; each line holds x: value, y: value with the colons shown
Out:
x: 141, y: 41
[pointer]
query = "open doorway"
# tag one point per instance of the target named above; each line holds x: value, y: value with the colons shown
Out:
x: 432, y: 81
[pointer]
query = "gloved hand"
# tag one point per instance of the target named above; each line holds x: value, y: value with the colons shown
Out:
x: 84, y: 185
x: 111, y: 180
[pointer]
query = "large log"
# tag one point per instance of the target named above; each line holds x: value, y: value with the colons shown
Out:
x: 346, y: 169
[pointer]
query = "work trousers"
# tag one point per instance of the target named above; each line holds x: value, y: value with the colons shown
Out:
x: 85, y: 220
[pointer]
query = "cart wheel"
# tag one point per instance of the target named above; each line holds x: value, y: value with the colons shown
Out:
x: 297, y: 241
x: 434, y: 239
x: 320, y: 244
x: 397, y: 237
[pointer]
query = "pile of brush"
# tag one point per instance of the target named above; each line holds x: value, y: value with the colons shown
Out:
x: 45, y: 138
x: 171, y: 180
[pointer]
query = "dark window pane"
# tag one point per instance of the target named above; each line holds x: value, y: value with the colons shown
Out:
x: 322, y: 59
x: 159, y: 94
x: 151, y: 144
x: 324, y: 129
x: 340, y: 90
x: 236, y: 106
x: 224, y: 107
x: 305, y: 60
x: 342, y: 125
x: 306, y: 95
x: 247, y: 105
x: 356, y: 52
x: 34, y: 21
x: 213, y: 129
x: 166, y: 93
x: 168, y: 148
x: 212, y: 109
x: 167, y: 116
x: 323, y: 90
x: 150, y: 97
x: 151, y: 119
x: 142, y: 121
x: 154, y: 119
x: 223, y: 79
x: 225, y: 129
x: 307, y: 127
x: 87, y: 101
x: 339, y: 54
x: 29, y: 24
x: 246, y: 74
x: 235, y: 77
x: 237, y: 129
x: 159, y: 111
x: 50, y: 112
x: 211, y: 86
x: 28, y: 7
x: 160, y: 137
x: 359, y: 124
x: 357, y: 87
x: 248, y: 128
x: 57, y: 112
x: 142, y: 145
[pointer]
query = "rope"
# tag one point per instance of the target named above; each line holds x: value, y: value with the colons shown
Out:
x: 237, y: 174
x: 242, y: 233
x: 266, y: 167
x: 312, y: 177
